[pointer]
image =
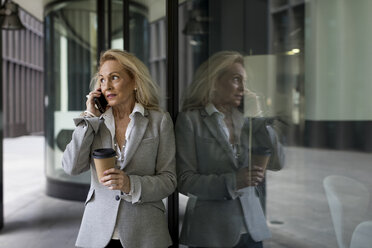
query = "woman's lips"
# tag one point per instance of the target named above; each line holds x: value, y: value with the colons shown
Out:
x: 110, y: 96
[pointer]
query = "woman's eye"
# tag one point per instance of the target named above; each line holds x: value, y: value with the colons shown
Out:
x: 102, y: 80
x: 237, y: 79
x: 115, y: 77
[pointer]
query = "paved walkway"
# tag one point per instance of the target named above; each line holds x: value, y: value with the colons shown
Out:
x: 32, y: 219
x: 297, y: 209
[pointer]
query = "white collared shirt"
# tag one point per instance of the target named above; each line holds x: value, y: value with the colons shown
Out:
x: 110, y: 123
x: 237, y: 119
x: 134, y: 195
x: 211, y: 109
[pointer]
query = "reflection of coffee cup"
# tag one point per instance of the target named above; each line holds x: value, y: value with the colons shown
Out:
x: 261, y: 156
x: 104, y: 159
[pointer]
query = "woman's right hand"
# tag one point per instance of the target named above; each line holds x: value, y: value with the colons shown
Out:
x: 90, y: 101
x: 246, y: 177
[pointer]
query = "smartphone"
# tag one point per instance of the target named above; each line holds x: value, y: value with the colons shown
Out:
x: 101, y: 103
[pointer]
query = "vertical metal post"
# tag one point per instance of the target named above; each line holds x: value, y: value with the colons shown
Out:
x: 101, y: 32
x: 1, y: 134
x: 126, y: 30
x: 109, y: 23
x: 172, y: 93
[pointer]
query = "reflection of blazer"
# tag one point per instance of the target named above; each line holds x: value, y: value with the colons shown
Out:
x: 150, y: 161
x: 206, y: 168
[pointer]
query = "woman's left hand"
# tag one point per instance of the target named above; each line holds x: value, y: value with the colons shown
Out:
x: 116, y: 179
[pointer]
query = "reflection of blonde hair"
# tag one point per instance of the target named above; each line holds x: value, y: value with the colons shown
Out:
x: 202, y: 88
x: 147, y: 91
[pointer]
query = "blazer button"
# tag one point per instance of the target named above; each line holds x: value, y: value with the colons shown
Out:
x: 117, y: 198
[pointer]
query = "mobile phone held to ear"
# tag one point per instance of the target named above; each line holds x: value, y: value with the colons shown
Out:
x: 101, y: 103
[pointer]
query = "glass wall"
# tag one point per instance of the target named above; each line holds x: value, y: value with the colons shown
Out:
x: 71, y: 48
x: 304, y: 73
x: 286, y: 81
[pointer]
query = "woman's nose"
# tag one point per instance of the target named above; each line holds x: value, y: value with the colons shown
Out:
x: 241, y: 87
x: 108, y: 84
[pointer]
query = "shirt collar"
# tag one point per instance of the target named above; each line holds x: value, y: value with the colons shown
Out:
x: 211, y: 109
x: 138, y: 108
x: 108, y: 116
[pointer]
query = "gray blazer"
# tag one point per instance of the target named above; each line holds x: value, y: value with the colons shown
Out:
x: 150, y: 161
x: 216, y: 213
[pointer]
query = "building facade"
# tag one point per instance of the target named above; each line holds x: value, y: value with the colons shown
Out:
x: 306, y: 61
x: 23, y: 82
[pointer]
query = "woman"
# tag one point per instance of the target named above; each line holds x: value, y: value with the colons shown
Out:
x: 124, y: 208
x: 213, y: 165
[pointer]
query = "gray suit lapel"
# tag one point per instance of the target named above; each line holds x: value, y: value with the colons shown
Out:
x: 139, y: 128
x: 217, y: 132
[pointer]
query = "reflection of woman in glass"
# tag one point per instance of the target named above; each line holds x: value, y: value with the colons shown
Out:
x: 124, y: 207
x: 223, y: 209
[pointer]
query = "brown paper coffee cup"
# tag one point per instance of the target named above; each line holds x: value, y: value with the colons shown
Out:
x: 104, y: 159
x: 261, y: 156
x: 260, y: 160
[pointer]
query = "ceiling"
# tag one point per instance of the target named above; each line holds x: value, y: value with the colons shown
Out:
x: 34, y: 7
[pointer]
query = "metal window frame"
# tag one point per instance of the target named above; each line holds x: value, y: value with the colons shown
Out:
x: 100, y: 28
x: 1, y: 136
x: 126, y: 29
x: 172, y: 90
x: 172, y: 93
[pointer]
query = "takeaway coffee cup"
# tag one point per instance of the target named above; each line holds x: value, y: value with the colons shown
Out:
x: 261, y: 156
x: 104, y: 159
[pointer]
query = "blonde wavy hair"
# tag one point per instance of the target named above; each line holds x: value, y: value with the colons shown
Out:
x: 147, y: 92
x: 202, y: 89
